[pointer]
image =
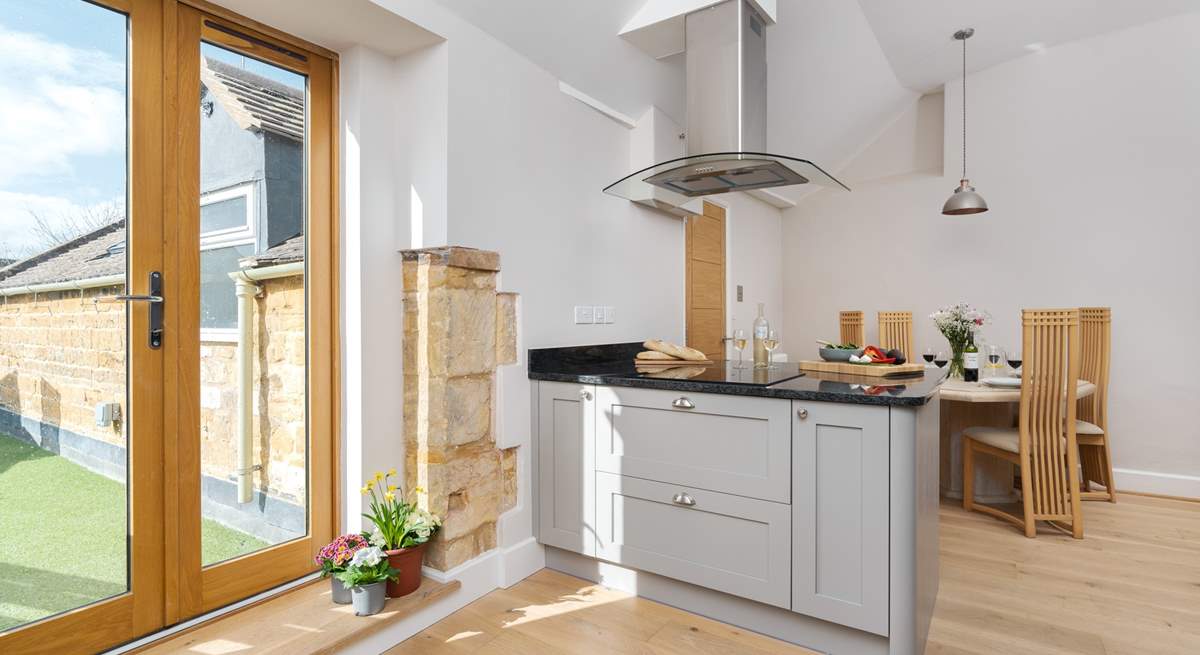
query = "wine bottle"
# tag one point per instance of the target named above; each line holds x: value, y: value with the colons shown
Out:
x: 971, y: 360
x: 761, y: 329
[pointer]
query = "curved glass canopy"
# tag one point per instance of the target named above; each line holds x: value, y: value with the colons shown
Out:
x: 720, y: 172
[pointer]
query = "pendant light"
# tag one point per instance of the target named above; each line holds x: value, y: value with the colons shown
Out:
x: 964, y: 200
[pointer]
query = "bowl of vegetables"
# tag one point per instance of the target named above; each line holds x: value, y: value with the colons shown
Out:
x: 839, y: 352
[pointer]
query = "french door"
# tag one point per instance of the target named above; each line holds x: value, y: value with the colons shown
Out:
x: 167, y: 313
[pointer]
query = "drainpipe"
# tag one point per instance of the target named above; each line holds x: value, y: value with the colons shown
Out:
x: 246, y: 292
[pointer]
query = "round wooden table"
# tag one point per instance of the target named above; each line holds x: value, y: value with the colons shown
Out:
x: 966, y: 404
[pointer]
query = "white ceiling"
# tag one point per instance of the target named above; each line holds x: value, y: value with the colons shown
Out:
x: 916, y: 35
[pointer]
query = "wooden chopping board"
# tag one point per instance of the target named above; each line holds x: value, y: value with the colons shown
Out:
x: 868, y: 370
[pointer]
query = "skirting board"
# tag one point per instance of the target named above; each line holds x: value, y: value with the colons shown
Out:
x: 1153, y: 482
x: 478, y: 577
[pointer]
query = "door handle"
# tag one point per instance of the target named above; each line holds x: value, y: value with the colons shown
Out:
x: 156, y: 302
x: 682, y: 498
x: 682, y: 402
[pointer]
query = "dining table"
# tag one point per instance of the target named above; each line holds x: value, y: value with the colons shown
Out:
x: 966, y: 404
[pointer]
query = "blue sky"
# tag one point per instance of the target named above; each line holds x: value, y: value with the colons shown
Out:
x: 63, y: 104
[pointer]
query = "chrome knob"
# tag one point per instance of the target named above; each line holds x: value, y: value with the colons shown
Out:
x: 682, y: 402
x: 802, y: 413
x: 584, y: 394
x: 682, y: 498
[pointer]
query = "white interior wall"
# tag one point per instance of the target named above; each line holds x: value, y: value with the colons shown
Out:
x: 1086, y: 155
x: 753, y: 259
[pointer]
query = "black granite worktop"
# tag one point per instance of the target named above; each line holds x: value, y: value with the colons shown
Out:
x: 614, y: 365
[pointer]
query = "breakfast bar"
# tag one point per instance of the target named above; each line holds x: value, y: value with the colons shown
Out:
x: 799, y: 504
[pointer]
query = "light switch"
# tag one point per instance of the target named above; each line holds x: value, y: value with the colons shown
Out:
x: 584, y: 315
x: 600, y: 314
x: 610, y: 314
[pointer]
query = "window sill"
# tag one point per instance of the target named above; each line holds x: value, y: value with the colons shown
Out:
x: 302, y: 621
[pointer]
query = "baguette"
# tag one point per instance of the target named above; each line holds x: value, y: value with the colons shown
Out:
x: 655, y: 355
x: 675, y: 350
x: 671, y: 372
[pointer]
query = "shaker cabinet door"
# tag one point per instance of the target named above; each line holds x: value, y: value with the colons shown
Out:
x: 840, y: 513
x: 566, y: 471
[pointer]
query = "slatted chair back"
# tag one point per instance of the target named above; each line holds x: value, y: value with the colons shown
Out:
x: 896, y: 331
x: 852, y: 328
x: 1095, y: 337
x: 1048, y: 447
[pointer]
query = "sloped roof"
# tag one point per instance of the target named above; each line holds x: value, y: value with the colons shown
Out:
x: 254, y: 101
x: 291, y: 250
x: 81, y: 258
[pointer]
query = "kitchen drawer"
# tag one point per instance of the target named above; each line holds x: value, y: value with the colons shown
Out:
x: 737, y: 545
x: 731, y: 444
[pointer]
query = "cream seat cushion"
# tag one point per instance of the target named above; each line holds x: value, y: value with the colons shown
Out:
x: 1083, y: 427
x: 1003, y: 438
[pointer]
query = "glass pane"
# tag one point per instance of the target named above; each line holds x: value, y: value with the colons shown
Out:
x: 63, y: 399
x: 226, y: 214
x: 253, y: 400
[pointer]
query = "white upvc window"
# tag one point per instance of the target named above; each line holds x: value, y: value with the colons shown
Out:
x: 227, y: 234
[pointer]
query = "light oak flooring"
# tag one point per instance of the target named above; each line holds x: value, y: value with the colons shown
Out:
x: 1131, y: 586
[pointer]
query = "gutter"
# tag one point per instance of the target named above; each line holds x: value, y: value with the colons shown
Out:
x: 246, y: 292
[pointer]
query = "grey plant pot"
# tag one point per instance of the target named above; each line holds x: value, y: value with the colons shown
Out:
x: 341, y: 593
x: 369, y: 599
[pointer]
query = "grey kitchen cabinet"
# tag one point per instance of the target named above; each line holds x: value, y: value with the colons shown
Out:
x: 730, y: 444
x: 566, y: 475
x: 840, y: 513
x: 738, y: 545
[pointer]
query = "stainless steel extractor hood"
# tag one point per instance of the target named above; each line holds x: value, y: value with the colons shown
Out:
x: 726, y: 118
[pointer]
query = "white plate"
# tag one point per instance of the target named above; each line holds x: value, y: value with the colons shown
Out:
x: 1006, y: 383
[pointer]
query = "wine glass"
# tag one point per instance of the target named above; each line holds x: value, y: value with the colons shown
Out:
x: 771, y: 343
x: 1013, y: 355
x: 993, y: 359
x: 739, y: 343
x: 940, y: 359
x: 928, y: 358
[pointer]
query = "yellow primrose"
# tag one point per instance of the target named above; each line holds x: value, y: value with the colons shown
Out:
x: 391, y: 487
x: 389, y: 496
x: 378, y: 476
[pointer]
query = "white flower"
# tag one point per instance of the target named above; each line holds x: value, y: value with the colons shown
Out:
x: 422, y: 524
x: 377, y: 538
x: 367, y: 557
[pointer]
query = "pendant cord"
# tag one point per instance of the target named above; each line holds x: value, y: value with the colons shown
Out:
x: 964, y: 110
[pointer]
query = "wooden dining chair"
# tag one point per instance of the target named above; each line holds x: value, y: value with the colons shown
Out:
x: 1044, y: 445
x: 896, y: 331
x: 1095, y: 334
x: 852, y: 330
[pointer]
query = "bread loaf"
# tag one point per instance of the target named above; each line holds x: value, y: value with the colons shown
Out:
x: 675, y: 350
x: 655, y: 355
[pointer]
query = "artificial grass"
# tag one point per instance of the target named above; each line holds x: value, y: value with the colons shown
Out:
x: 62, y: 535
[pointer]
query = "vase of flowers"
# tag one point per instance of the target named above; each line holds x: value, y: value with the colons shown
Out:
x: 957, y: 323
x: 401, y: 529
x: 334, y: 558
x: 367, y: 576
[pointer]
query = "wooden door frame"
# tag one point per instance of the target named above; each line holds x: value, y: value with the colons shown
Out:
x: 716, y: 211
x: 191, y: 588
x: 139, y: 610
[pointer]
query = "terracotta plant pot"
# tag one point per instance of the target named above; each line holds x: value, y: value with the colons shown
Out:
x: 341, y: 593
x: 368, y: 599
x: 408, y: 560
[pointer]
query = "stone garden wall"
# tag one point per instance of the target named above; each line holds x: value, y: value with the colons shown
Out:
x: 61, y: 354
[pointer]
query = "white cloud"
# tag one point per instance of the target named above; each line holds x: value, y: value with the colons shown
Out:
x: 56, y: 102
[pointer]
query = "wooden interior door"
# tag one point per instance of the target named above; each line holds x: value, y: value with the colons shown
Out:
x: 705, y: 279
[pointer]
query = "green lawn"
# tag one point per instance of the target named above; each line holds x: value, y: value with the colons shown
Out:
x: 62, y: 535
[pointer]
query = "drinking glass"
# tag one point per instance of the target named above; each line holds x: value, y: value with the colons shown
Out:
x: 1013, y: 355
x: 993, y: 360
x: 929, y: 358
x: 940, y: 359
x: 771, y: 343
x: 739, y: 342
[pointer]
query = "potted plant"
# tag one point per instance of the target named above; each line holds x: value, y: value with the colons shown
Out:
x: 333, y: 559
x: 401, y: 529
x: 956, y: 323
x: 367, y: 576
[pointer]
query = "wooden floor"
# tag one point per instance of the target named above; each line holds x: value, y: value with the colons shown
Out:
x: 1132, y: 586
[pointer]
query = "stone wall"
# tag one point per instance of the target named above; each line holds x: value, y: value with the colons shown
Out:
x: 61, y: 354
x: 457, y: 329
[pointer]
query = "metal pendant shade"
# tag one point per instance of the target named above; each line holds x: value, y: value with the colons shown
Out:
x: 965, y: 199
